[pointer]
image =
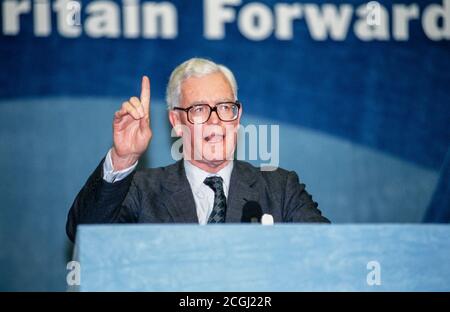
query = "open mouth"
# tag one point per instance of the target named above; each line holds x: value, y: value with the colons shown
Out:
x: 214, y: 138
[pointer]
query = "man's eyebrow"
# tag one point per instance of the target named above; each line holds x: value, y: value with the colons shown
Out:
x: 221, y: 100
x: 225, y: 100
x: 198, y: 102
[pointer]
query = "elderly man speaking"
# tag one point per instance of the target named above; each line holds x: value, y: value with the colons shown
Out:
x: 207, y: 185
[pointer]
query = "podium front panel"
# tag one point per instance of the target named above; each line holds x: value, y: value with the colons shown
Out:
x: 284, y: 257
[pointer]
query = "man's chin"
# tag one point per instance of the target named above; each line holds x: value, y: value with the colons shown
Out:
x: 218, y: 157
x: 214, y: 161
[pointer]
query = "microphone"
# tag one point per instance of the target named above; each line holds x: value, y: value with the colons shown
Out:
x: 251, y: 212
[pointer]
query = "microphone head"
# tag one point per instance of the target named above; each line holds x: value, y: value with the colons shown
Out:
x: 251, y: 212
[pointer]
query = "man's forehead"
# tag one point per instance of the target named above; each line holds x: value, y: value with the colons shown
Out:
x: 210, y: 88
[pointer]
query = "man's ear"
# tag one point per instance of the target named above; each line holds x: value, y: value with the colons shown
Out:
x: 240, y: 114
x: 175, y: 121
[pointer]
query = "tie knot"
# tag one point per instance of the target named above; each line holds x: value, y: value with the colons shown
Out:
x: 215, y: 183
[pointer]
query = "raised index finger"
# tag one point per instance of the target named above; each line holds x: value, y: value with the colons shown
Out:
x: 145, y: 94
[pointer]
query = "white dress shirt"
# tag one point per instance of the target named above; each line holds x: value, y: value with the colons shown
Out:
x: 111, y: 176
x: 203, y: 194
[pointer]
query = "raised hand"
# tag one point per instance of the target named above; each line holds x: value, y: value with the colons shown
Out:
x: 131, y: 129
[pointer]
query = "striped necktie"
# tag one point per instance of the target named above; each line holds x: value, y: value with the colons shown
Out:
x: 220, y: 202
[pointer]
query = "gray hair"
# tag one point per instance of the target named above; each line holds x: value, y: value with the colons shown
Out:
x: 197, y: 67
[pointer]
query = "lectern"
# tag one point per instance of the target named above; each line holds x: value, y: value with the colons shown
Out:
x: 248, y: 257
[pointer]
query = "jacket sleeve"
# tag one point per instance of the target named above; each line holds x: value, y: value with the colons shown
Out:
x: 299, y: 205
x: 102, y: 202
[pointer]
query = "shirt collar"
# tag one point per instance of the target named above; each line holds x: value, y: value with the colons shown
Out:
x: 196, y: 176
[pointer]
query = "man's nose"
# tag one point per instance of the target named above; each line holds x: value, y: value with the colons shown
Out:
x: 214, y: 118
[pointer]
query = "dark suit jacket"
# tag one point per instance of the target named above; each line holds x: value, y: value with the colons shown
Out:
x: 163, y: 195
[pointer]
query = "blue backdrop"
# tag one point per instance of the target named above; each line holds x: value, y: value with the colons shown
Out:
x: 364, y: 122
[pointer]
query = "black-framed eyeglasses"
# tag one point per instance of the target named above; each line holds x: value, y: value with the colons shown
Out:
x: 200, y: 113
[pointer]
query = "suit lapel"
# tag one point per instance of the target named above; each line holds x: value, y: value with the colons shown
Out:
x: 179, y: 199
x: 241, y: 190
